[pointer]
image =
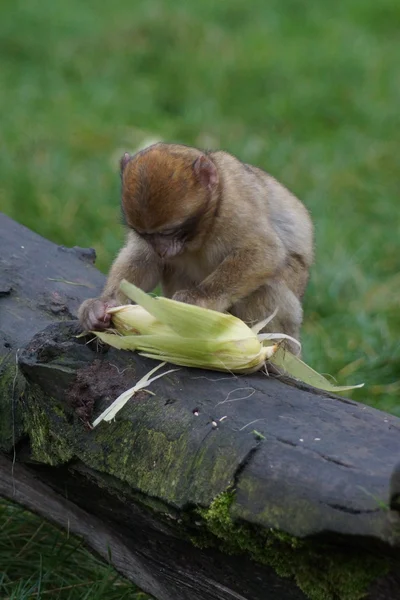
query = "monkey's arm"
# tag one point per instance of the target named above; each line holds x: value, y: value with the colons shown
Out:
x: 242, y: 272
x: 137, y: 264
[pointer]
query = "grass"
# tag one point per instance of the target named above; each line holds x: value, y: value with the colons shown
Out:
x: 39, y: 561
x: 308, y: 91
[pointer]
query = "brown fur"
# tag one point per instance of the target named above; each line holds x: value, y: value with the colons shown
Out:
x: 215, y: 232
x: 153, y: 185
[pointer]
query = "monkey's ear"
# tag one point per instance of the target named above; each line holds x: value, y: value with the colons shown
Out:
x: 205, y: 171
x: 124, y: 161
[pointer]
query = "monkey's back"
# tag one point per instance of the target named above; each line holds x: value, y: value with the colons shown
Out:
x: 263, y: 202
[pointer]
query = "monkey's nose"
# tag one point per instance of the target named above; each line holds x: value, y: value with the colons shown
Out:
x: 161, y: 250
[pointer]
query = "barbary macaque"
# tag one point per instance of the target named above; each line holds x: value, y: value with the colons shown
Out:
x: 214, y: 232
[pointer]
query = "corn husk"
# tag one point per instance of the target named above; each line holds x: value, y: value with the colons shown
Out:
x: 111, y: 411
x: 185, y: 335
x: 294, y: 367
x: 191, y: 336
x: 133, y: 319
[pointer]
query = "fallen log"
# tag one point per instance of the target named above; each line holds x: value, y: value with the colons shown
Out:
x: 215, y: 487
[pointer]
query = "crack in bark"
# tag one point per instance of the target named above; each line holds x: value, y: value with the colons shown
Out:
x: 243, y: 464
x: 352, y: 511
x: 287, y: 442
x: 336, y: 461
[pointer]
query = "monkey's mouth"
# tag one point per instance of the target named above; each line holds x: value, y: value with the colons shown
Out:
x: 168, y: 250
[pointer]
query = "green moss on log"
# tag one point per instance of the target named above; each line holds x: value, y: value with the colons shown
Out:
x: 322, y: 572
x: 12, y: 385
x: 139, y: 457
x: 156, y: 463
x: 48, y: 445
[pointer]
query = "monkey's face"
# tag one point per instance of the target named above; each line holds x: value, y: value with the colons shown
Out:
x: 167, y: 197
x: 173, y: 237
x: 166, y: 244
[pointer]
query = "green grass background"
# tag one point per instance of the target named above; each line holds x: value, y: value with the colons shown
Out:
x: 310, y: 91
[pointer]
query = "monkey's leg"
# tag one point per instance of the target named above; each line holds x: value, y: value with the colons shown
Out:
x: 262, y: 303
x: 173, y: 280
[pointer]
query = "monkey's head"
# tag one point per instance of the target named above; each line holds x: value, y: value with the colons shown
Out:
x: 169, y: 197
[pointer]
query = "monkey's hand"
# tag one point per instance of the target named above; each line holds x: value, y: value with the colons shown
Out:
x: 191, y: 297
x: 93, y: 314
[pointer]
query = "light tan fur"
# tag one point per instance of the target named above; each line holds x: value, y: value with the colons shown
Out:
x: 249, y: 242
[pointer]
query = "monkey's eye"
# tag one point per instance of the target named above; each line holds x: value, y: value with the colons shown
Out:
x: 167, y: 233
x: 145, y: 236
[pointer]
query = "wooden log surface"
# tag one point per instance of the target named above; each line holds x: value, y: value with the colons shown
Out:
x: 211, y: 466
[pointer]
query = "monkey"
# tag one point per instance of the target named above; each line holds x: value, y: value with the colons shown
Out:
x: 215, y: 232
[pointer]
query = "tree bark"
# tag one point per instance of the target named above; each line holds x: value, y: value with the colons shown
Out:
x: 215, y: 487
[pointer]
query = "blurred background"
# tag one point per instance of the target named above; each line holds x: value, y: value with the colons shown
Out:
x: 308, y: 91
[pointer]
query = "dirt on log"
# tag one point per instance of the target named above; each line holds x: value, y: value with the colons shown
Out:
x: 212, y: 487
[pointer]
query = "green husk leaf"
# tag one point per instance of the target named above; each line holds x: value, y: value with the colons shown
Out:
x: 111, y: 411
x: 133, y: 319
x: 209, y: 354
x: 249, y: 366
x: 277, y: 336
x: 259, y: 326
x: 296, y: 368
x: 188, y: 320
x: 121, y: 342
x: 192, y: 336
